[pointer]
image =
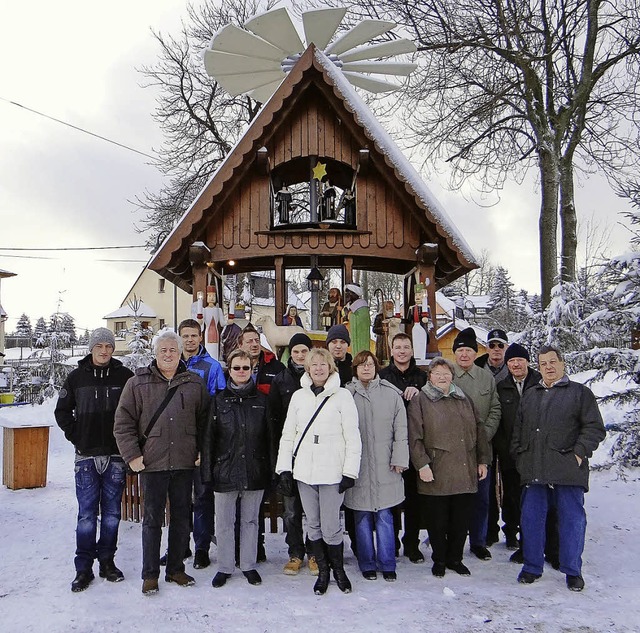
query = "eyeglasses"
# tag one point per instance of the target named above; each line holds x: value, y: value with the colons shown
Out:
x: 444, y: 374
x: 368, y: 365
x: 241, y: 368
x: 493, y: 345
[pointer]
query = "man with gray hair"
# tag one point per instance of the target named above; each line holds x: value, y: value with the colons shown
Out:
x: 558, y: 426
x: 85, y: 412
x: 159, y: 425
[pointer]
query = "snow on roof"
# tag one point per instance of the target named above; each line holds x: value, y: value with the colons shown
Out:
x: 445, y: 303
x: 461, y: 324
x: 6, y: 273
x: 2, y: 312
x: 403, y: 166
x: 127, y: 311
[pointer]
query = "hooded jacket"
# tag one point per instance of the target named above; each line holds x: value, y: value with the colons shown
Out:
x: 331, y: 448
x: 174, y: 441
x: 208, y: 368
x: 382, y: 420
x: 87, y: 403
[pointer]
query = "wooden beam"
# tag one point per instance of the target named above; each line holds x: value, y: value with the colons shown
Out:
x: 281, y: 283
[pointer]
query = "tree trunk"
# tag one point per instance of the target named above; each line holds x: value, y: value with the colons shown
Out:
x: 548, y: 222
x: 568, y: 222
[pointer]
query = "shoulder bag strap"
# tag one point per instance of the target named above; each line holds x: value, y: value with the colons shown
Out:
x: 313, y: 417
x: 156, y: 415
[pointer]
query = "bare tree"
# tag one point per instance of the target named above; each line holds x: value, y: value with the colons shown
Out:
x: 200, y: 121
x: 508, y: 85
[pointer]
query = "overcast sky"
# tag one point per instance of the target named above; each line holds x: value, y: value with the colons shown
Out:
x: 77, y: 61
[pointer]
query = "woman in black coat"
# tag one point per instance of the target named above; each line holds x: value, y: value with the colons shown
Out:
x: 237, y: 458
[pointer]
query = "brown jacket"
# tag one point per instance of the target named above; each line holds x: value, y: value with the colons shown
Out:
x: 174, y: 441
x: 446, y: 433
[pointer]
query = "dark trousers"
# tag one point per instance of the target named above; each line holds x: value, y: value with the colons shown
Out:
x: 98, y: 493
x: 203, y: 507
x: 510, y: 503
x: 156, y: 486
x: 412, y: 511
x: 493, y: 527
x: 480, y: 513
x: 292, y: 521
x: 448, y: 518
x: 568, y: 502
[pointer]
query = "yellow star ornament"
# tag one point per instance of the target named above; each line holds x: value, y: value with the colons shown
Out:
x: 319, y: 171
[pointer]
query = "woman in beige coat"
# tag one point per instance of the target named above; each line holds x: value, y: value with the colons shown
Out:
x: 450, y: 452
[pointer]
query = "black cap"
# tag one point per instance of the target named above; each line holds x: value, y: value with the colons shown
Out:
x: 300, y: 339
x: 466, y: 338
x: 516, y: 351
x: 498, y: 335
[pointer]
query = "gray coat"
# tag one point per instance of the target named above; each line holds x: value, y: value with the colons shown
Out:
x: 552, y: 426
x: 479, y: 385
x: 174, y: 441
x: 383, y: 429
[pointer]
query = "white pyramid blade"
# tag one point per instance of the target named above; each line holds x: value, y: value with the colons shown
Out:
x: 375, y: 51
x: 359, y: 34
x: 319, y: 26
x: 276, y: 28
x: 231, y: 39
x: 372, y: 85
x: 263, y: 94
x: 237, y: 84
x: 380, y: 68
x: 219, y: 64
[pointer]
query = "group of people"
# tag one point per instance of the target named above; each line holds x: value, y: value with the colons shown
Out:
x: 331, y: 433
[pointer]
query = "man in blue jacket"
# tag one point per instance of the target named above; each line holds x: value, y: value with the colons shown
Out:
x: 85, y: 411
x: 557, y: 428
x: 200, y: 362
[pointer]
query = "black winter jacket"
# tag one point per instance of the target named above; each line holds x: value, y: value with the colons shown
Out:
x: 283, y: 386
x: 268, y: 368
x: 87, y: 403
x: 238, y: 442
x: 345, y: 369
x: 552, y: 426
x: 509, y: 400
x: 413, y: 376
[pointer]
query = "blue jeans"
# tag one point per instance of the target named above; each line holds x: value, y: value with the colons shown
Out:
x: 537, y: 501
x: 99, y: 486
x: 480, y: 514
x: 383, y: 557
x: 203, y: 504
x: 156, y: 486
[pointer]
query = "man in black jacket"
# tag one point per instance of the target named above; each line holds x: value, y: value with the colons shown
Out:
x: 558, y: 426
x: 85, y: 412
x: 403, y: 373
x: 338, y: 341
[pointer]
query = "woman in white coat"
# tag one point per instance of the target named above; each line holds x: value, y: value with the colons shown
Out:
x: 320, y: 449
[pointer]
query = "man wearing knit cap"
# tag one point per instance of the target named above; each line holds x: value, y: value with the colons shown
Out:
x: 85, y: 412
x: 521, y: 377
x: 480, y: 387
x: 338, y: 341
x: 357, y: 314
x: 283, y: 386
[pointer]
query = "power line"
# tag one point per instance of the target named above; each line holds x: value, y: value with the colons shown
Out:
x: 75, y: 127
x: 71, y: 248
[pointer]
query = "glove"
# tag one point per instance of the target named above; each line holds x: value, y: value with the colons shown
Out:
x: 346, y: 483
x: 286, y: 485
x: 136, y: 464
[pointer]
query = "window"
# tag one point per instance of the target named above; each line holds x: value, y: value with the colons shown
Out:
x: 161, y: 283
x: 119, y: 326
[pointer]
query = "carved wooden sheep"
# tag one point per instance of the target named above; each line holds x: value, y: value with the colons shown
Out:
x: 277, y: 335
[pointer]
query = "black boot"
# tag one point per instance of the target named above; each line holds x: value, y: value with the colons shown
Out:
x: 109, y: 571
x: 317, y: 549
x: 336, y: 558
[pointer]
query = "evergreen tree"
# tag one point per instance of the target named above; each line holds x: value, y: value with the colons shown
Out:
x: 39, y: 333
x: 140, y: 344
x: 68, y: 326
x: 23, y: 328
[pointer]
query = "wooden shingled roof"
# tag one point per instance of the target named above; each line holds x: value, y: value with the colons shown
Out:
x: 396, y: 211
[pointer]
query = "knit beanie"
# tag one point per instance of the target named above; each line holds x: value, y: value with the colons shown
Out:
x: 466, y: 338
x: 102, y: 335
x: 338, y: 331
x: 516, y: 351
x: 300, y: 339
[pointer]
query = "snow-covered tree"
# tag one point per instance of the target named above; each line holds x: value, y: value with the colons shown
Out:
x: 68, y: 325
x: 140, y: 353
x: 23, y: 328
x: 39, y: 332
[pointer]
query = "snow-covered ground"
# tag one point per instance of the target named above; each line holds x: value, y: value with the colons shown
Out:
x: 36, y: 569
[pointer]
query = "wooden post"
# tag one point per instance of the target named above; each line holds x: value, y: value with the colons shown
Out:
x: 25, y: 455
x: 347, y: 272
x: 281, y: 284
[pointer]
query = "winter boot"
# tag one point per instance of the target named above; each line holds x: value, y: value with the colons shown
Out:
x: 319, y: 553
x: 109, y: 571
x: 336, y: 558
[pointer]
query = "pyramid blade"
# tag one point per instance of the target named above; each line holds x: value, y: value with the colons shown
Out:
x: 238, y: 84
x: 219, y: 64
x: 372, y: 85
x: 359, y: 34
x: 319, y: 26
x: 232, y: 39
x: 264, y: 93
x: 276, y: 28
x: 380, y: 68
x: 375, y: 51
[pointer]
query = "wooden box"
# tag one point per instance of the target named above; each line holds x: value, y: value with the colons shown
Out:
x: 25, y: 456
